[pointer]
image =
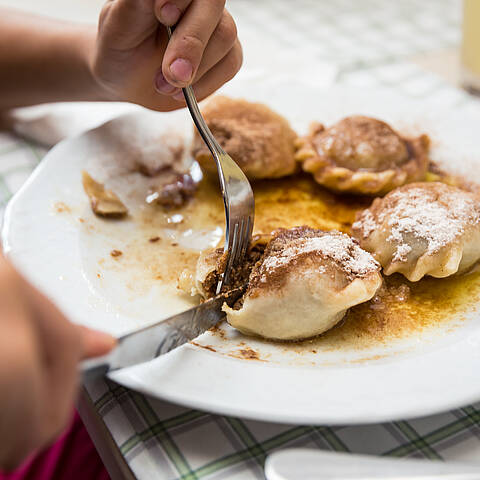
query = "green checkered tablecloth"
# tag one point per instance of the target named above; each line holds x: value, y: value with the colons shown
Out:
x: 369, y: 41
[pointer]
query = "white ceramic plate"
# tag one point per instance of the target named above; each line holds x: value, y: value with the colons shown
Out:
x: 43, y: 236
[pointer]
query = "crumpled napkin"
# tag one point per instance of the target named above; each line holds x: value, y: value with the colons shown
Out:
x: 50, y: 123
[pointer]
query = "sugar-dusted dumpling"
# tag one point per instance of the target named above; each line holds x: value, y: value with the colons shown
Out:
x: 258, y: 139
x: 422, y: 229
x: 303, y: 285
x: 362, y: 155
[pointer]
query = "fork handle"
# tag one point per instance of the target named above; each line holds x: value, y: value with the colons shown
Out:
x: 197, y: 117
x: 202, y: 127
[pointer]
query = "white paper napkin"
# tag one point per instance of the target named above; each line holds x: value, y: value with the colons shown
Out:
x: 50, y: 123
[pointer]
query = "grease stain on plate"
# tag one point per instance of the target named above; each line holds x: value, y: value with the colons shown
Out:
x: 157, y: 245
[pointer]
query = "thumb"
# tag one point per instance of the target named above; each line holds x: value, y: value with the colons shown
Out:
x: 125, y: 24
x: 94, y: 342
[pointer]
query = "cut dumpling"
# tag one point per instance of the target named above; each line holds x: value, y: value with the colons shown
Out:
x: 422, y: 229
x: 362, y: 155
x: 257, y: 138
x: 204, y: 280
x: 211, y: 264
x: 303, y: 285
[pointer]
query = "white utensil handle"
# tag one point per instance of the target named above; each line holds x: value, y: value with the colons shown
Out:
x: 306, y: 464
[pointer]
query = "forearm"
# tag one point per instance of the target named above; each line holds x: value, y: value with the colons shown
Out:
x: 43, y: 60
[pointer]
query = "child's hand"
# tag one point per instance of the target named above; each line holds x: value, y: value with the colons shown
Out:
x: 135, y: 62
x: 39, y: 355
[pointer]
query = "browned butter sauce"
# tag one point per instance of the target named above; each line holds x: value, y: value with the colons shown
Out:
x: 400, y: 308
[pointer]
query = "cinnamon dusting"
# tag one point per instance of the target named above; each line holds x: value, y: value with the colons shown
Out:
x: 362, y: 155
x: 331, y: 252
x: 258, y: 139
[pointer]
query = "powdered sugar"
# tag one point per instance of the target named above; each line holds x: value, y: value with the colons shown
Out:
x: 434, y: 214
x: 401, y: 252
x: 336, y: 246
x: 367, y: 224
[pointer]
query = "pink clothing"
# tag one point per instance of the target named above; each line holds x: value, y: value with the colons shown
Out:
x: 71, y: 457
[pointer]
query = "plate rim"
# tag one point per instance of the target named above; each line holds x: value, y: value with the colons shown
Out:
x: 130, y: 378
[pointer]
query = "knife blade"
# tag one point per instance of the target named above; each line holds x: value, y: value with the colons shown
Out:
x: 154, y: 340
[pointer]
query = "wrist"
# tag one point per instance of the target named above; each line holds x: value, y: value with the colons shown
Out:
x: 85, y: 50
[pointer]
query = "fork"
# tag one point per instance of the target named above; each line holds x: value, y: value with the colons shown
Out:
x: 236, y: 191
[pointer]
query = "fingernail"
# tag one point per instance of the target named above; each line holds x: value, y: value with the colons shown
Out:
x: 182, y: 70
x: 162, y: 86
x: 169, y: 14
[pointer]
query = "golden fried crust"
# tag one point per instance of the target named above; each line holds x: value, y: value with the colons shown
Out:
x: 362, y: 155
x: 257, y: 138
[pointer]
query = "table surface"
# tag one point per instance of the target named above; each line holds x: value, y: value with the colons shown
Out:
x: 410, y: 46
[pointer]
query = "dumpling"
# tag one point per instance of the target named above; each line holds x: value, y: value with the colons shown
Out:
x: 204, y: 280
x: 257, y: 138
x: 422, y: 229
x: 362, y: 155
x: 303, y: 285
x: 211, y: 264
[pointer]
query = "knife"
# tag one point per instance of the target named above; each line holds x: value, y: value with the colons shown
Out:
x: 150, y: 342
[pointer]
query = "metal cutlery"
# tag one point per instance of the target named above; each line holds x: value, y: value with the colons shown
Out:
x: 160, y: 338
x: 155, y: 340
x: 236, y: 191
